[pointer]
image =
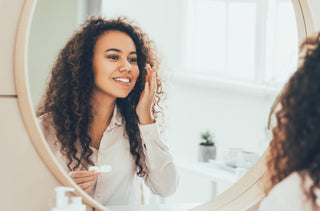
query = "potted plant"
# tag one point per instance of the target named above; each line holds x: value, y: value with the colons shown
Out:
x: 207, y: 148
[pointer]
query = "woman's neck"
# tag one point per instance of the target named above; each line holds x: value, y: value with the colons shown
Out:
x: 102, y: 111
x: 102, y: 105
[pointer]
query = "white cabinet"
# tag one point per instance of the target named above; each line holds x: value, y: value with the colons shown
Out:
x: 26, y: 183
x: 10, y: 14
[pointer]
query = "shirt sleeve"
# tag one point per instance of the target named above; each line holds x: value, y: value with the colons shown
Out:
x: 49, y: 134
x: 161, y: 177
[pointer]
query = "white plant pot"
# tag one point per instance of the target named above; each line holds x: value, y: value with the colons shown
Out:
x: 206, y: 153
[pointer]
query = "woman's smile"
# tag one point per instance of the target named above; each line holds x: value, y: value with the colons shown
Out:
x: 124, y: 81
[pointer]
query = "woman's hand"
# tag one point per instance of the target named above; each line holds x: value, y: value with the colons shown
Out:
x: 85, y: 179
x: 145, y: 102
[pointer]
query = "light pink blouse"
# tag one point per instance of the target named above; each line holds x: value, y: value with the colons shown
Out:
x: 289, y: 195
x: 121, y: 186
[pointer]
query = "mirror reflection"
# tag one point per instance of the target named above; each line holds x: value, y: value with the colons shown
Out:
x: 99, y: 110
x: 221, y: 63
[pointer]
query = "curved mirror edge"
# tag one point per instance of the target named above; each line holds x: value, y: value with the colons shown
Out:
x: 231, y: 196
x: 27, y: 110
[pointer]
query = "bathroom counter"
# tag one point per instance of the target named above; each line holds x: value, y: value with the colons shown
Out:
x: 214, y: 172
x: 154, y: 207
x: 207, y: 179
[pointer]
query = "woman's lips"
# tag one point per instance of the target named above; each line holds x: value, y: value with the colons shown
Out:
x: 122, y: 81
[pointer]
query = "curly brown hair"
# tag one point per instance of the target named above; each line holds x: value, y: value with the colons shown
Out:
x: 68, y: 94
x: 295, y: 146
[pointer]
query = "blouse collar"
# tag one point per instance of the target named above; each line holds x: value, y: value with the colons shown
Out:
x: 115, y: 120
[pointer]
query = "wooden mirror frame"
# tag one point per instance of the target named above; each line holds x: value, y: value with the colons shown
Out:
x: 244, y: 194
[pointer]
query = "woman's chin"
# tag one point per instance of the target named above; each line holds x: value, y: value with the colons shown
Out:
x: 123, y: 95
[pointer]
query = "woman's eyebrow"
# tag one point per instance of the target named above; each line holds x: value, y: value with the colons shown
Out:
x: 117, y: 50
x: 113, y: 49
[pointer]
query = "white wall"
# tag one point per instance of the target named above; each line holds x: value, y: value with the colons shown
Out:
x: 238, y: 118
x: 53, y: 24
x: 314, y: 6
x: 10, y: 13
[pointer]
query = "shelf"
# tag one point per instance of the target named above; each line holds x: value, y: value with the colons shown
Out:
x: 212, y: 171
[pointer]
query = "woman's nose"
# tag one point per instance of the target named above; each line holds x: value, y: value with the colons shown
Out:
x: 125, y: 66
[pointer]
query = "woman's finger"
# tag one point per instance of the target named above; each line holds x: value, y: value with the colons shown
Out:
x: 148, y: 69
x: 81, y: 174
x: 87, y: 186
x: 153, y: 80
x: 80, y: 180
x: 146, y: 88
x: 87, y: 189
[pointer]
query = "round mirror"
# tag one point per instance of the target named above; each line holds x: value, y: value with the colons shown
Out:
x: 226, y: 62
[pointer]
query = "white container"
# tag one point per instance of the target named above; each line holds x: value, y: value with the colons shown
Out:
x: 61, y: 201
x: 206, y: 153
x: 76, y: 204
x: 247, y: 159
x: 101, y: 169
x: 230, y: 156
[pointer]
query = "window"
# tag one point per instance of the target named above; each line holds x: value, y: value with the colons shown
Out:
x: 246, y: 40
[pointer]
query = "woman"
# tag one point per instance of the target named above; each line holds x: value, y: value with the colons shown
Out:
x: 100, y: 108
x: 294, y: 156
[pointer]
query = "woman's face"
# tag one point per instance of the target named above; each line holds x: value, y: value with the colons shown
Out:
x: 115, y: 64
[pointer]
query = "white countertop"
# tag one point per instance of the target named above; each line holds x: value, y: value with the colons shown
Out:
x: 216, y: 171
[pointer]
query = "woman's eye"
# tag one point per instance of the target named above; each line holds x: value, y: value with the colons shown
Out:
x: 113, y: 57
x: 132, y: 60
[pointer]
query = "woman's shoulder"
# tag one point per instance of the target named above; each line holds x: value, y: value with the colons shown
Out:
x: 45, y: 117
x: 291, y: 185
x: 45, y: 121
x: 294, y: 179
x: 294, y: 183
x: 288, y: 194
x: 47, y: 126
